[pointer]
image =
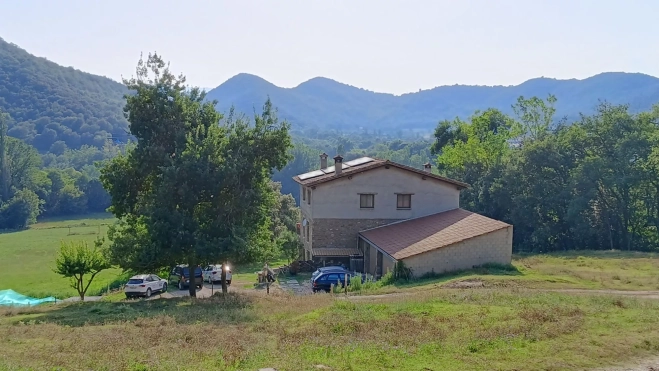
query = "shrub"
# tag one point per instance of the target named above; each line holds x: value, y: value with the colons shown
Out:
x: 401, y: 272
x: 387, y: 279
x: 356, y: 284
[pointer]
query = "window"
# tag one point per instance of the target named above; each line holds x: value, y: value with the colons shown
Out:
x: 307, y: 231
x: 332, y: 278
x: 404, y: 201
x: 366, y: 201
x: 309, y: 197
x: 304, y: 194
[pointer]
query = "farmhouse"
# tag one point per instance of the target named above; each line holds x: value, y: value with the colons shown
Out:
x: 370, y: 213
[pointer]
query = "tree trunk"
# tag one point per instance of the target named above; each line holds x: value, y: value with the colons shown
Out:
x: 192, y: 267
x: 81, y: 291
x: 223, y: 278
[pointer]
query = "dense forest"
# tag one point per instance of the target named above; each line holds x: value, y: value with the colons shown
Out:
x: 54, y: 108
x: 48, y: 185
x: 593, y: 184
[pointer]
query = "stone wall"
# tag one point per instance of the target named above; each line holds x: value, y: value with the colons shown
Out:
x: 493, y: 247
x: 341, y: 232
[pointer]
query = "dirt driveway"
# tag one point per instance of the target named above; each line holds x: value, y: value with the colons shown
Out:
x: 205, y: 292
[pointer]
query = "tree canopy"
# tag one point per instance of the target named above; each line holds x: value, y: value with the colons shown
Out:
x: 54, y: 107
x: 589, y: 185
x: 196, y: 187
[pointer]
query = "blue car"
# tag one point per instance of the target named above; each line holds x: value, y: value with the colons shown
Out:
x: 325, y: 280
x: 327, y: 269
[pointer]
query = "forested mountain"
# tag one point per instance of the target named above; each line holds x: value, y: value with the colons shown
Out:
x: 54, y: 107
x: 326, y: 104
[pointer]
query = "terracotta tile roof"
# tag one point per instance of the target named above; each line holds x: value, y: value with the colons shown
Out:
x: 335, y: 251
x: 415, y: 236
x: 375, y: 164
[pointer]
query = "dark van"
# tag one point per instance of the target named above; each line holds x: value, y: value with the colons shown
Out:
x: 180, y: 277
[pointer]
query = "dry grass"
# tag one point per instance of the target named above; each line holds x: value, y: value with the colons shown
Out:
x: 435, y: 329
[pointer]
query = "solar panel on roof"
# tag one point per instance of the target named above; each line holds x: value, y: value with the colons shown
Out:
x: 311, y: 174
x: 359, y: 161
x: 331, y: 169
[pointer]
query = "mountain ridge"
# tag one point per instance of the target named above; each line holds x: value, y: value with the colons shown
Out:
x: 54, y: 107
x: 327, y: 103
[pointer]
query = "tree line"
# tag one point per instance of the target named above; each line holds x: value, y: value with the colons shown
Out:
x: 33, y: 185
x: 588, y: 184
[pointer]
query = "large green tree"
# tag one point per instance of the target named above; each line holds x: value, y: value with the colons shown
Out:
x: 196, y: 186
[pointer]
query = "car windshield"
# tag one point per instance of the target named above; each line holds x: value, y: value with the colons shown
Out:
x: 134, y: 281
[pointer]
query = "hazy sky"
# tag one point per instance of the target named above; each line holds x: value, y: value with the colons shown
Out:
x: 380, y: 45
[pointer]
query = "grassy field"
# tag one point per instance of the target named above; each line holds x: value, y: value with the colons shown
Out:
x: 614, y: 270
x: 505, y: 324
x: 435, y: 329
x: 27, y: 258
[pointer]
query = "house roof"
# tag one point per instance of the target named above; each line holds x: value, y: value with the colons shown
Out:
x: 416, y: 236
x: 335, y: 252
x: 361, y: 165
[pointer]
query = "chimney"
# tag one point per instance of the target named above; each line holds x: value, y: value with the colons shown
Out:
x: 323, y: 161
x: 427, y: 167
x: 338, y: 164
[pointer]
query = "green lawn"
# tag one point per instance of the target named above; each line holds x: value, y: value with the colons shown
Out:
x: 614, y: 270
x: 433, y: 330
x: 245, y: 275
x: 27, y: 258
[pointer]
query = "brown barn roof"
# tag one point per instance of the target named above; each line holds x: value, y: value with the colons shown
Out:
x: 374, y: 163
x: 415, y: 236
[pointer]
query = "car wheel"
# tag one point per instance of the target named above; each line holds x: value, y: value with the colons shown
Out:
x: 180, y: 285
x: 128, y: 296
x: 148, y: 293
x: 164, y: 287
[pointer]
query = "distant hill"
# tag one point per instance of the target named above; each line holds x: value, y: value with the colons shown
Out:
x: 329, y: 104
x: 55, y: 107
x: 52, y: 106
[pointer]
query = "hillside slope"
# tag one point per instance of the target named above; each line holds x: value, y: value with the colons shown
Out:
x: 332, y: 105
x: 51, y: 105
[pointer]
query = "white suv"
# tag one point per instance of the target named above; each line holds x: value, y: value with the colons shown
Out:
x: 144, y: 285
x: 213, y: 273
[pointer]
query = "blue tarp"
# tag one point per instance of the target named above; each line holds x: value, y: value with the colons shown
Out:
x: 11, y: 297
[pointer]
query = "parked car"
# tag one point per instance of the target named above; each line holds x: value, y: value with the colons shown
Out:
x: 325, y: 280
x: 334, y: 268
x: 144, y: 285
x: 180, y: 277
x: 213, y: 273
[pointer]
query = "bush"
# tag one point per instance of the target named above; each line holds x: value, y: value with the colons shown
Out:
x: 356, y: 284
x: 401, y: 272
x: 20, y: 211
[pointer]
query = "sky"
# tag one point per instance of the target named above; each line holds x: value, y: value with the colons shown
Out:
x: 380, y: 45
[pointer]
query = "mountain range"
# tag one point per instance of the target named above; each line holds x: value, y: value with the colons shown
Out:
x: 325, y: 103
x: 55, y: 107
